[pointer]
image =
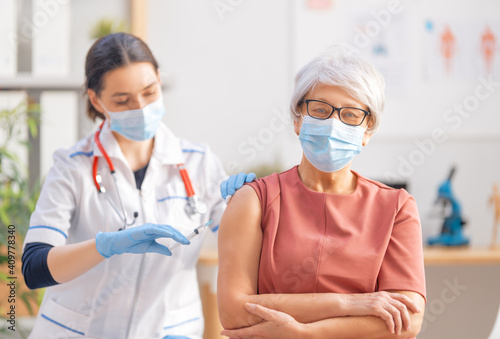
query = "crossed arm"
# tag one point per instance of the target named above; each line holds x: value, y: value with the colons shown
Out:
x: 372, y: 315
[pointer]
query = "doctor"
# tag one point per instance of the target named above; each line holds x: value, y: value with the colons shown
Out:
x: 113, y: 204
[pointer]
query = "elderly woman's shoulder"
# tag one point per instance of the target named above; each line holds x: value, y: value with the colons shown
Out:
x: 378, y: 184
x: 275, y: 177
x: 269, y: 186
x: 384, y: 189
x: 383, y: 195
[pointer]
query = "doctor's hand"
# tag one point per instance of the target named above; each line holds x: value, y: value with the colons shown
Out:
x: 138, y: 239
x: 235, y: 182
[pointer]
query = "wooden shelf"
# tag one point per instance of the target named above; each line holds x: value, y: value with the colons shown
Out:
x: 433, y: 256
x: 23, y: 81
x: 27, y: 81
x: 441, y: 256
x: 208, y: 258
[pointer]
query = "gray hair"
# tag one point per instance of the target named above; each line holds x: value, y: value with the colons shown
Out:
x: 338, y: 66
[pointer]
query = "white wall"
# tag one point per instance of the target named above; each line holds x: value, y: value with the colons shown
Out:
x: 226, y: 76
x: 58, y: 118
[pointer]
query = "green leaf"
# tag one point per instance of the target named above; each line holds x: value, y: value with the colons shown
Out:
x: 33, y: 128
x: 17, y: 198
x: 107, y: 26
x: 28, y: 298
x: 3, y: 276
x: 4, y: 218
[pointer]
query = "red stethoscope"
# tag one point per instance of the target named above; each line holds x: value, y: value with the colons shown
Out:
x: 193, y: 208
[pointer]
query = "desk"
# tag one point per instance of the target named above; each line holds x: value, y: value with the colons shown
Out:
x: 208, y: 258
x: 440, y: 256
x: 469, y: 310
x: 207, y: 278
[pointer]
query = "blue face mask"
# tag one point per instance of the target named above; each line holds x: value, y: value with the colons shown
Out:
x: 138, y: 124
x: 330, y: 144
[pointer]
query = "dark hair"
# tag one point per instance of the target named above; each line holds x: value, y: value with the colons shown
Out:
x: 108, y: 53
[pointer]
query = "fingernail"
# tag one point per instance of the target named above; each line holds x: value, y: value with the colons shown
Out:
x: 249, y: 306
x: 419, y: 310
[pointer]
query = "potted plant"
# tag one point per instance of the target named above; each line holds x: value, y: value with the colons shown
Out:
x: 17, y: 202
x: 106, y: 26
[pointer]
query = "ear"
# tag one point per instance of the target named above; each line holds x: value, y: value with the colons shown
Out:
x: 95, y: 102
x: 297, y: 124
x: 368, y: 135
x: 366, y: 138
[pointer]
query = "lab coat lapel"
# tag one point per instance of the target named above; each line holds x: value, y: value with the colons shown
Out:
x: 167, y: 148
x: 109, y: 143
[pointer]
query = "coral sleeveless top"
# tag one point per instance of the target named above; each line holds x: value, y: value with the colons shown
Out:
x: 315, y: 242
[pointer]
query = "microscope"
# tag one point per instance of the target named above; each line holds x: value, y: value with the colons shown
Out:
x: 452, y: 230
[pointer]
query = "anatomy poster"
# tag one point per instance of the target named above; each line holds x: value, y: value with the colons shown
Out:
x: 461, y: 50
x: 382, y: 39
x: 445, y: 51
x: 485, y: 46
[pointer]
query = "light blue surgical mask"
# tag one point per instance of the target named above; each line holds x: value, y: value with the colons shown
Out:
x: 138, y: 124
x: 330, y: 144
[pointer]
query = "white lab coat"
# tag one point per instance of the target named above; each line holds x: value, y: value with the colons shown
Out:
x: 129, y: 295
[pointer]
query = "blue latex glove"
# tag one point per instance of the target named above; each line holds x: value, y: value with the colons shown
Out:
x: 139, y: 239
x: 235, y: 182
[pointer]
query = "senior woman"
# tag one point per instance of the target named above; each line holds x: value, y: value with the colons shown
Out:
x: 320, y: 251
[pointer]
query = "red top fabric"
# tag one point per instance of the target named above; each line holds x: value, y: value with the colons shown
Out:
x: 315, y: 242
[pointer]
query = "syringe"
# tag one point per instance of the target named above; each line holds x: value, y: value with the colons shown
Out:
x: 193, y: 234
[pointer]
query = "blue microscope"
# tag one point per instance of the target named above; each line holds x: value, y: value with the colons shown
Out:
x: 452, y: 231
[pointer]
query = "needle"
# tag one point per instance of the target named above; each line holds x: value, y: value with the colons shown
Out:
x: 193, y: 234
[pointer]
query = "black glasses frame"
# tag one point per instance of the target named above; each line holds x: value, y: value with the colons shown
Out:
x: 333, y: 111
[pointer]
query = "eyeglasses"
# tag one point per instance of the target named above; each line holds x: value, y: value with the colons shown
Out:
x: 348, y: 115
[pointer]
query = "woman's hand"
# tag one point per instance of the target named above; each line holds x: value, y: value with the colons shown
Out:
x: 391, y: 307
x: 275, y: 324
